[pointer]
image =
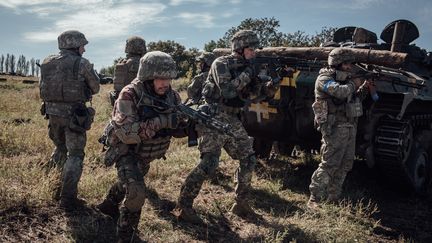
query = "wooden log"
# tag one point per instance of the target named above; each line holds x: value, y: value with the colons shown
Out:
x: 377, y: 57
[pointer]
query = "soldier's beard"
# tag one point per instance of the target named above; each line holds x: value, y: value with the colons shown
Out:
x: 162, y: 90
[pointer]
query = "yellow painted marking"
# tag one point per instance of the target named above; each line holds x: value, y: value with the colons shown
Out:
x: 290, y: 82
x: 262, y: 109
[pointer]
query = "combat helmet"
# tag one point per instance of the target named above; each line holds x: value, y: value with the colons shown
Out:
x: 156, y: 64
x: 340, y: 55
x: 243, y: 39
x: 135, y: 45
x: 71, y: 39
x: 206, y: 57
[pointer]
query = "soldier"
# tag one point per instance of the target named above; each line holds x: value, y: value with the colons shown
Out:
x: 67, y: 82
x: 126, y: 69
x: 226, y: 91
x: 139, y: 132
x: 337, y: 107
x: 194, y: 90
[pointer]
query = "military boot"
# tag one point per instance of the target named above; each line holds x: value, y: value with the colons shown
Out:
x: 127, y: 225
x: 313, y: 204
x: 243, y: 209
x: 71, y: 204
x: 110, y: 205
x: 110, y: 208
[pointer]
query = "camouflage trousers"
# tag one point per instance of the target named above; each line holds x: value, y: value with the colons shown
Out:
x: 337, y: 156
x: 210, y: 145
x: 68, y: 155
x: 129, y: 193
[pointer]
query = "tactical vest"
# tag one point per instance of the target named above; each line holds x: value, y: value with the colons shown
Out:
x: 156, y: 147
x: 60, y: 81
x: 336, y: 108
x: 194, y: 90
x: 125, y: 71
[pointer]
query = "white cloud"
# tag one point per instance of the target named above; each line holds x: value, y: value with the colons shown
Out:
x: 109, y: 20
x: 202, y: 2
x: 181, y: 2
x: 351, y: 4
x: 200, y: 20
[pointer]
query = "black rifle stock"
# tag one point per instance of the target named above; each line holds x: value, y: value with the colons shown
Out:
x: 198, y: 117
x: 391, y: 75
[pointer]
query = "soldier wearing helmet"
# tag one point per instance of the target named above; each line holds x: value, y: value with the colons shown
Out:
x: 226, y: 92
x: 126, y: 69
x: 139, y: 132
x: 337, y: 107
x: 194, y: 90
x: 67, y: 82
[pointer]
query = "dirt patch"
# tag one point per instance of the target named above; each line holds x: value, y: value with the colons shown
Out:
x: 25, y: 223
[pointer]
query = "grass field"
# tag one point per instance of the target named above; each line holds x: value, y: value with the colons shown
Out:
x: 371, y: 211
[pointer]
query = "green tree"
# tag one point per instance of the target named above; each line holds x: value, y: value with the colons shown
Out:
x: 109, y: 71
x: 32, y: 66
x: 7, y: 63
x: 210, y: 46
x: 265, y: 28
x: 269, y: 35
x: 12, y: 63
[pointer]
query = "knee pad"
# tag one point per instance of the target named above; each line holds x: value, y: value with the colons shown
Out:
x: 135, y: 196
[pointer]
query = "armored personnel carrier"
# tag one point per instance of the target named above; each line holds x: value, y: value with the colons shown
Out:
x: 395, y: 132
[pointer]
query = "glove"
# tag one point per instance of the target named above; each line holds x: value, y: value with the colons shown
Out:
x: 245, y: 78
x: 169, y: 120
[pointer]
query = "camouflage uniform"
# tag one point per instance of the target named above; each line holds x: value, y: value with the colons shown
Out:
x: 67, y: 82
x: 336, y: 107
x: 225, y: 92
x: 141, y: 132
x: 194, y: 90
x: 126, y: 69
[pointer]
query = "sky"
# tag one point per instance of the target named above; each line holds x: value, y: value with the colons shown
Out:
x: 31, y: 27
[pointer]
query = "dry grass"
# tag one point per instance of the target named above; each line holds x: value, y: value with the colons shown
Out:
x: 27, y: 212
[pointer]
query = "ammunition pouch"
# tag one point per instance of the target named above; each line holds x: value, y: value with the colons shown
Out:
x: 320, y: 110
x: 82, y: 118
x: 354, y: 108
x: 113, y: 154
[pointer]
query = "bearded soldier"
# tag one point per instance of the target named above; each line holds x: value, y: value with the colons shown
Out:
x: 67, y: 82
x: 126, y: 69
x: 227, y: 90
x: 337, y: 107
x: 194, y: 90
x: 139, y: 132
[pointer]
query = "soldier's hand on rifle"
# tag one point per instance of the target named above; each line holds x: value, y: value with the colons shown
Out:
x: 245, y: 78
x: 358, y: 82
x: 169, y: 120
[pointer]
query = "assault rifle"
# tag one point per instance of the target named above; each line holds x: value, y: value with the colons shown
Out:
x: 280, y: 67
x: 391, y: 75
x: 198, y: 117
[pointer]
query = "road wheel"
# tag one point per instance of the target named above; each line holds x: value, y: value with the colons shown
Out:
x: 419, y: 168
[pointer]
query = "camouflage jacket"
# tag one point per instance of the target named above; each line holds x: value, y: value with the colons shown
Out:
x: 225, y: 83
x: 333, y: 91
x: 194, y: 90
x: 135, y: 117
x: 67, y: 79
